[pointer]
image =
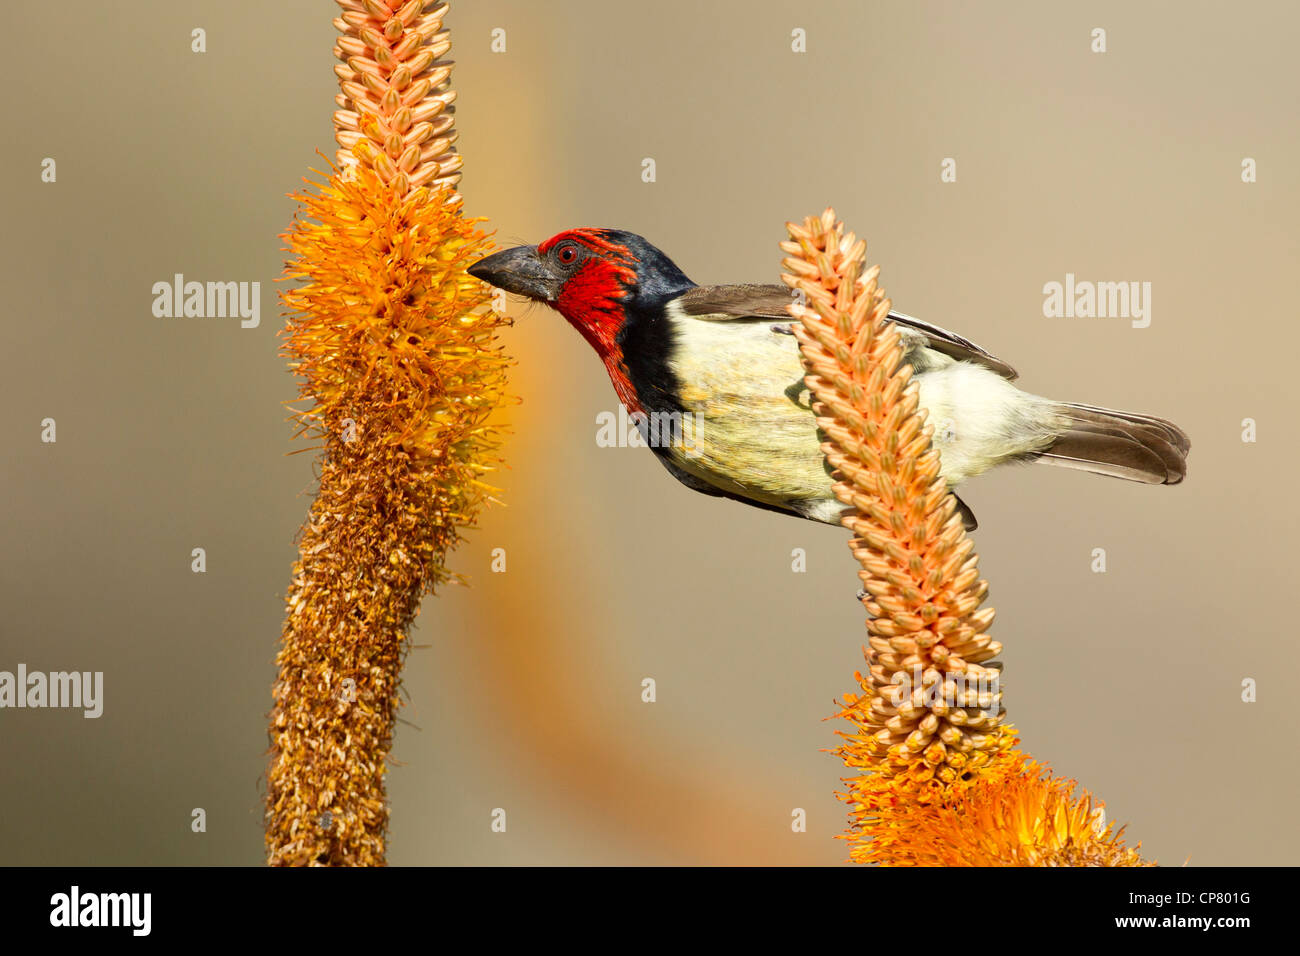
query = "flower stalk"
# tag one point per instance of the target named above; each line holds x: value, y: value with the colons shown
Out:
x: 939, y: 779
x: 398, y: 358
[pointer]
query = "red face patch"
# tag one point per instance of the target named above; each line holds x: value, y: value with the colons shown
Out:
x: 592, y: 299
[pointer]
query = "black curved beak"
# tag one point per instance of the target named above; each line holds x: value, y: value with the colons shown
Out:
x: 520, y: 270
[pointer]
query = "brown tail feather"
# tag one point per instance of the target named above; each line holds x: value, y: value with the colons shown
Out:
x: 1172, y: 433
x: 1120, y: 444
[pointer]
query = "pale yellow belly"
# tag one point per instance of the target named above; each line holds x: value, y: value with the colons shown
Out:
x: 748, y: 428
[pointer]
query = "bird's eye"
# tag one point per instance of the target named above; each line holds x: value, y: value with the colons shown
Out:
x: 567, y: 254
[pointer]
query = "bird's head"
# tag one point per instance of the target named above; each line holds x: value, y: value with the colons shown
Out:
x: 595, y: 278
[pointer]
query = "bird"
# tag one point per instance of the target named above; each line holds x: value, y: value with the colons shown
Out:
x: 713, y: 379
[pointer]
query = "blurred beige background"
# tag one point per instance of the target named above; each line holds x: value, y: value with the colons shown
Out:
x: 525, y: 689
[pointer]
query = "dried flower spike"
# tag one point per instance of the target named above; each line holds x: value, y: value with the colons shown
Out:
x: 398, y: 358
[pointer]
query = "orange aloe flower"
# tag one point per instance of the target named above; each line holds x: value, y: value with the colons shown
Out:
x: 940, y: 781
x: 398, y: 356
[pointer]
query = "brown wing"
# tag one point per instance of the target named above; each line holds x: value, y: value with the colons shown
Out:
x: 720, y: 303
